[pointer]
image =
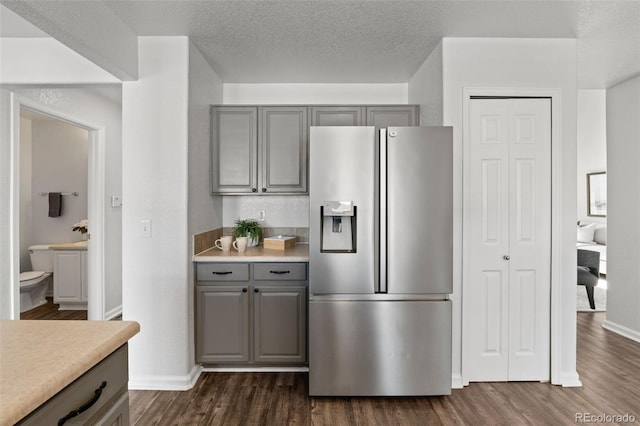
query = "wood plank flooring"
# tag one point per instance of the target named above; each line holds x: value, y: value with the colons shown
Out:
x: 50, y: 311
x: 608, y: 365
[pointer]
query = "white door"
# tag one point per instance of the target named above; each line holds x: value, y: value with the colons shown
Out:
x: 507, y: 225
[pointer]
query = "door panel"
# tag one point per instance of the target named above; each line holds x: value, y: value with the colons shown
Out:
x: 337, y: 116
x: 419, y: 210
x: 508, y: 235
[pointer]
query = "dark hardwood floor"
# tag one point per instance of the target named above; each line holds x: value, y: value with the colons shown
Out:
x: 50, y: 312
x: 608, y: 365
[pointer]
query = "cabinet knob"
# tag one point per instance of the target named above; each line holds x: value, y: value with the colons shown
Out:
x: 256, y: 290
x: 244, y: 290
x: 506, y: 257
x: 264, y: 189
x: 254, y: 190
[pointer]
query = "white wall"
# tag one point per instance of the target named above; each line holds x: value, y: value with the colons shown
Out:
x: 623, y: 229
x: 425, y: 89
x: 307, y: 94
x: 592, y: 144
x: 519, y: 63
x: 25, y: 193
x: 59, y: 164
x: 46, y: 61
x: 204, y: 210
x: 155, y: 181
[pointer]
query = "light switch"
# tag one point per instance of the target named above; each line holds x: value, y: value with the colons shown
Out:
x: 262, y: 215
x: 116, y: 201
x: 145, y: 228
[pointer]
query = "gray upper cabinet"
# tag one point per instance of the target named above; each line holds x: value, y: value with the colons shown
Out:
x: 284, y: 139
x: 259, y: 150
x: 337, y: 116
x: 392, y: 115
x: 234, y: 150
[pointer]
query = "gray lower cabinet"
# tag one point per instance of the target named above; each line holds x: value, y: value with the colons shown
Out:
x: 257, y: 318
x: 98, y: 397
x: 259, y: 150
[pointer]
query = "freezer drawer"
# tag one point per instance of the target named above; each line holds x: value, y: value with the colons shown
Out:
x: 379, y: 348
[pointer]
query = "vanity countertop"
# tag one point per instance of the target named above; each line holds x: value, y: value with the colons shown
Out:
x: 39, y: 358
x: 78, y: 245
x: 299, y: 253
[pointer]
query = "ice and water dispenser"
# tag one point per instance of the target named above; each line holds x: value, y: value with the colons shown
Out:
x: 338, y: 227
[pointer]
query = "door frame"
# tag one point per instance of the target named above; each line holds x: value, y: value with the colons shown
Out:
x: 95, y: 203
x: 556, y: 213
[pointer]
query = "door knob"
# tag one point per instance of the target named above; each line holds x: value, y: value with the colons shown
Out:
x: 506, y: 257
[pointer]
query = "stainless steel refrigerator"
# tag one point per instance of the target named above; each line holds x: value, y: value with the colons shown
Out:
x: 380, y: 268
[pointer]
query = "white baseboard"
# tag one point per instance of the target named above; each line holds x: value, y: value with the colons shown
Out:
x: 169, y: 383
x: 456, y: 381
x: 255, y: 369
x: 72, y: 306
x: 622, y: 330
x: 570, y: 380
x: 115, y: 312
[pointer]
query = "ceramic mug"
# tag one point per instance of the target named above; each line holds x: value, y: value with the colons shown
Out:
x: 224, y: 243
x: 240, y: 244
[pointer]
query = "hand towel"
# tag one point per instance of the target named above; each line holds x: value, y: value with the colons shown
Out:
x: 55, y: 204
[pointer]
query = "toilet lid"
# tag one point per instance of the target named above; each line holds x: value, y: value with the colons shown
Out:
x: 30, y: 275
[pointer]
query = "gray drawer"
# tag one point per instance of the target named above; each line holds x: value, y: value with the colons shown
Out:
x: 280, y: 271
x: 112, y: 370
x: 222, y: 272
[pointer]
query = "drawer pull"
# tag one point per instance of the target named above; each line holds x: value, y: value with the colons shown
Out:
x: 280, y: 272
x: 222, y: 273
x: 84, y: 407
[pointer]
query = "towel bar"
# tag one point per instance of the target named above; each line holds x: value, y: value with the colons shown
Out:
x: 75, y: 193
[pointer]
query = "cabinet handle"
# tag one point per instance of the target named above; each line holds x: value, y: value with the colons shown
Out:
x: 264, y: 189
x: 244, y: 290
x: 84, y: 407
x: 256, y: 290
x: 254, y: 189
x: 280, y: 272
x: 222, y: 273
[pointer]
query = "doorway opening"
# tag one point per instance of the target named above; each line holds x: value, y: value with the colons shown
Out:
x: 95, y: 189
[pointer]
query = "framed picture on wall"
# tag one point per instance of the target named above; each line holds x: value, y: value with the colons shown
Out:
x: 597, y: 194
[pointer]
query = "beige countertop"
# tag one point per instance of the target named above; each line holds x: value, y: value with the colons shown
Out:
x: 78, y: 245
x: 39, y: 358
x: 299, y: 253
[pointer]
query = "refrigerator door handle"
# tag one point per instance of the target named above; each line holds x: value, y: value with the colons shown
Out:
x: 382, y: 280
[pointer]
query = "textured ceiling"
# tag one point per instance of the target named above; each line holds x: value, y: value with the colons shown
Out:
x: 297, y: 41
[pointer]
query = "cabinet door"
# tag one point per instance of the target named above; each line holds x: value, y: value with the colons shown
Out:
x: 392, y: 115
x: 279, y: 324
x: 84, y: 290
x: 67, y: 276
x: 222, y: 324
x: 337, y: 116
x: 284, y: 139
x: 234, y: 149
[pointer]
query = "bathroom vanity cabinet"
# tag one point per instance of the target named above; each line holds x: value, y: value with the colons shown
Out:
x: 251, y: 313
x: 70, y: 279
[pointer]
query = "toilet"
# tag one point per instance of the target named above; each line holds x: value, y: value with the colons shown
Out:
x: 34, y: 284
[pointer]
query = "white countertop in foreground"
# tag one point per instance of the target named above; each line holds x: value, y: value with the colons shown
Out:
x: 299, y: 253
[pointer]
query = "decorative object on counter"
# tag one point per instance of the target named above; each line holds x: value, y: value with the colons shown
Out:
x: 240, y: 244
x: 224, y: 243
x: 279, y: 242
x: 82, y: 226
x: 248, y: 228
